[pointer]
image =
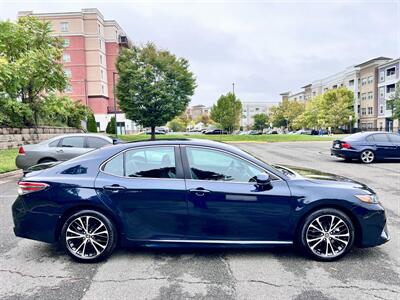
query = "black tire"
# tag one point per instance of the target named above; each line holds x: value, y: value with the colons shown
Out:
x: 323, y: 240
x: 46, y: 160
x: 367, y: 156
x: 94, y: 241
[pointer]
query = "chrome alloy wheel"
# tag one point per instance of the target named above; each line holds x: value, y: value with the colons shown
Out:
x: 86, y: 237
x: 328, y: 236
x: 367, y: 156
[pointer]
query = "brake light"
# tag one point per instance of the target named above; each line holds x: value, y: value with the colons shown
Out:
x: 346, y: 145
x: 21, y: 150
x: 25, y: 187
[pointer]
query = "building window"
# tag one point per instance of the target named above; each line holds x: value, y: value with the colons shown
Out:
x: 100, y: 43
x: 101, y: 59
x: 363, y: 111
x: 381, y: 109
x: 351, y: 82
x: 370, y: 95
x: 381, y: 76
x: 66, y: 57
x: 64, y: 26
x: 370, y: 110
x: 68, y: 89
x: 391, y: 88
x: 98, y: 27
x: 102, y: 89
x: 370, y: 80
x: 381, y: 92
x: 68, y: 73
x: 391, y: 71
x: 102, y: 74
x: 364, y: 81
x: 66, y: 43
x: 257, y: 109
x: 364, y: 96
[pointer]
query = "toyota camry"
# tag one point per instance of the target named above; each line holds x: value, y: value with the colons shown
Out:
x: 191, y: 193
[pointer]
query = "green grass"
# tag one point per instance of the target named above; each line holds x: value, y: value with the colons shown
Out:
x: 237, y: 138
x: 7, y: 160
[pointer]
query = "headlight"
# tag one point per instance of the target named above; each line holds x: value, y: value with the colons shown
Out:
x: 373, y: 198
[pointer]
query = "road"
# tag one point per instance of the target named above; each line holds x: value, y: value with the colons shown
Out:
x: 30, y: 269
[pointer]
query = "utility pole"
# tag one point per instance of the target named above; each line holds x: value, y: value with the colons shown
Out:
x: 115, y: 105
x: 233, y: 88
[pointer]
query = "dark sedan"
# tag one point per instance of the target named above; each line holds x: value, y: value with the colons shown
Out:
x: 368, y: 146
x: 179, y: 193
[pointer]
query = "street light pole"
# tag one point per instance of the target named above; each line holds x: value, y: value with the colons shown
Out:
x: 233, y: 88
x: 115, y: 105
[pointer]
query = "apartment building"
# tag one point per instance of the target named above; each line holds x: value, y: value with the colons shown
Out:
x: 388, y: 77
x: 362, y: 80
x: 368, y: 92
x: 195, y: 111
x: 91, y: 44
x: 249, y: 109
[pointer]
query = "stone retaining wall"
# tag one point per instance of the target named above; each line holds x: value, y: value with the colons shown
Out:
x: 15, y: 137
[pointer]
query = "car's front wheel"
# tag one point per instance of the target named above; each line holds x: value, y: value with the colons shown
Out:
x: 327, y: 234
x: 367, y: 156
x: 88, y: 236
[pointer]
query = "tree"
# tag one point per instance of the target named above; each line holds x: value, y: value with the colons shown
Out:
x: 154, y: 85
x: 177, y: 125
x: 91, y: 123
x: 286, y: 113
x: 260, y: 121
x: 394, y: 103
x: 227, y: 112
x: 110, y: 129
x: 30, y: 62
x: 205, y: 119
x: 331, y: 109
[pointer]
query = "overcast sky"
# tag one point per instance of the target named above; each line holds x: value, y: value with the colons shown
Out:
x: 265, y: 47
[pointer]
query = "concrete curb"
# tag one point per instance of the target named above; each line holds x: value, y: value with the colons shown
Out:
x: 11, y: 174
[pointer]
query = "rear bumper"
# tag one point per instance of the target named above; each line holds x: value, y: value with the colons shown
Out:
x: 24, y: 161
x: 34, y: 225
x: 345, y: 153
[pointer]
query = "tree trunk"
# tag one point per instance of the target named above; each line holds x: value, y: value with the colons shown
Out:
x: 153, y: 133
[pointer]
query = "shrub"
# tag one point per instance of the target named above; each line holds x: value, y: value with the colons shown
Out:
x: 91, y: 123
x: 14, y: 113
x: 111, y: 126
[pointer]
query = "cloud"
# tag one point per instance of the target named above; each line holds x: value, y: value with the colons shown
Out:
x: 265, y: 47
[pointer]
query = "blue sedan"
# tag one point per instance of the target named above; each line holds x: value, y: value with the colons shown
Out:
x: 368, y: 147
x: 191, y: 193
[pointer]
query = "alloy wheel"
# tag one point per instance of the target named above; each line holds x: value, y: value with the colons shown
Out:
x: 367, y: 156
x: 86, y: 237
x: 328, y: 236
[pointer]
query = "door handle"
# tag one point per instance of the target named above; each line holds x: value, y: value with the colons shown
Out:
x: 114, y: 187
x: 60, y: 151
x: 200, y: 192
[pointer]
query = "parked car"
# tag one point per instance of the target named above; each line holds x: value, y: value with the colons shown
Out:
x: 61, y: 148
x: 215, y: 131
x: 185, y: 193
x: 368, y: 146
x: 254, y: 132
x: 156, y: 132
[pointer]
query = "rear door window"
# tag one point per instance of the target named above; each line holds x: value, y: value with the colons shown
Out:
x: 395, y: 138
x: 381, y: 138
x: 73, y: 142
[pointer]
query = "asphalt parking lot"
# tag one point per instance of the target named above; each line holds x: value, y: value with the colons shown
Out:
x: 30, y: 269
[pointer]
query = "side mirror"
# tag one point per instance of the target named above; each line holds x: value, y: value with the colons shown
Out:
x: 263, y: 181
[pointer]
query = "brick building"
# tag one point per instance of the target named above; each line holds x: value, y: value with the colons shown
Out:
x: 91, y: 46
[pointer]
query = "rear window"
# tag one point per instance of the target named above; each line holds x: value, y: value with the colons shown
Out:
x: 355, y: 137
x: 395, y: 138
x: 381, y: 137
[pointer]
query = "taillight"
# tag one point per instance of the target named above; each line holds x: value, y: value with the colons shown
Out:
x: 25, y: 187
x: 21, y: 150
x: 346, y: 145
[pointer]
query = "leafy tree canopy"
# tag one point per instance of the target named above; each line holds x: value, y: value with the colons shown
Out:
x: 30, y: 61
x: 154, y: 85
x: 260, y: 121
x: 227, y: 111
x: 286, y: 112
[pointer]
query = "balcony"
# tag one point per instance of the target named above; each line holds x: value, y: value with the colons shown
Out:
x: 123, y: 41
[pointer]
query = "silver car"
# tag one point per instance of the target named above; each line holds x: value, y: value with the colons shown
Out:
x: 60, y: 148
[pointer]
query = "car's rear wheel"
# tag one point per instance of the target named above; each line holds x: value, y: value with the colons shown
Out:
x: 327, y: 234
x: 88, y: 236
x: 367, y: 156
